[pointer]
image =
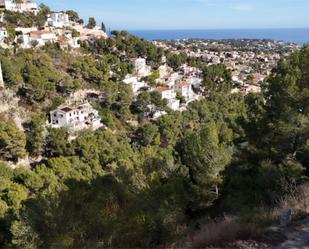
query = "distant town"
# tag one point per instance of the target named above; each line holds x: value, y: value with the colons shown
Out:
x: 249, y: 61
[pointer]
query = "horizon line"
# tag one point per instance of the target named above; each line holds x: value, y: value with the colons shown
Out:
x: 197, y: 29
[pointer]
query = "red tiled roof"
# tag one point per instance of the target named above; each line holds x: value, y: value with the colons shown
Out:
x: 183, y: 83
x: 163, y: 89
x: 40, y: 32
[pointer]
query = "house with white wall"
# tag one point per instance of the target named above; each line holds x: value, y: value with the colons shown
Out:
x: 58, y: 20
x: 169, y: 94
x: 190, y: 71
x: 194, y: 81
x: 75, y: 117
x: 135, y: 83
x: 23, y: 30
x: 185, y: 90
x: 166, y: 92
x: 174, y: 104
x: 141, y: 67
x: 3, y: 34
x: 45, y: 36
x: 165, y: 71
x: 66, y: 40
x: 66, y: 43
x: 23, y: 6
x: 40, y: 37
x: 174, y: 78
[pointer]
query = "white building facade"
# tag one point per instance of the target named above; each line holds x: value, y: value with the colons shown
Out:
x: 166, y: 92
x: 185, y: 90
x: 135, y: 83
x: 24, y: 6
x: 38, y: 37
x: 3, y: 34
x: 75, y: 117
x: 170, y: 95
x: 58, y: 20
x: 141, y: 67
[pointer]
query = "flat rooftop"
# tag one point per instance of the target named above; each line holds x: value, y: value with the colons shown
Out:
x: 66, y: 109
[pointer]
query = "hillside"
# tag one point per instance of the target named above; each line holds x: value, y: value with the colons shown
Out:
x: 151, y: 174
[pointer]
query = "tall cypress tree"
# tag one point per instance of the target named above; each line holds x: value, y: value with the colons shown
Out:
x: 103, y: 27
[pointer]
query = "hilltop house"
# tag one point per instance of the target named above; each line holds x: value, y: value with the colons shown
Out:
x: 23, y: 6
x: 141, y: 67
x: 66, y: 39
x: 38, y: 38
x: 43, y: 36
x: 135, y: 83
x: 185, y: 90
x: 190, y: 71
x: 165, y: 72
x: 58, y: 19
x: 166, y: 92
x: 170, y: 95
x: 75, y: 117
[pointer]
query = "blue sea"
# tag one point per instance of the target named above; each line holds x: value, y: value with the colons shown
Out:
x: 297, y: 35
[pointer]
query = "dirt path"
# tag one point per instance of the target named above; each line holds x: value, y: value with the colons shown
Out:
x: 298, y: 236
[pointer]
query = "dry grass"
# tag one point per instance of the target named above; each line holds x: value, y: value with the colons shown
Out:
x: 220, y: 233
x: 297, y: 200
x: 229, y: 229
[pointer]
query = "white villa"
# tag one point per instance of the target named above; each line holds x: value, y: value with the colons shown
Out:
x: 3, y: 34
x: 41, y: 37
x: 24, y: 6
x: 58, y: 20
x: 174, y: 104
x: 194, y: 81
x: 170, y: 95
x: 190, y: 71
x: 141, y: 67
x: 185, y: 90
x: 135, y: 83
x: 165, y: 71
x: 166, y: 92
x: 66, y: 40
x: 75, y: 117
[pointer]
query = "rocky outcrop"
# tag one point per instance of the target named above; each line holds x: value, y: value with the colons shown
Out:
x: 10, y: 108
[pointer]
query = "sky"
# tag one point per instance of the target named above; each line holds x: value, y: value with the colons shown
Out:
x: 190, y: 14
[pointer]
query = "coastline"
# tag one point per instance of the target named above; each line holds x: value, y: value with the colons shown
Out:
x: 295, y: 35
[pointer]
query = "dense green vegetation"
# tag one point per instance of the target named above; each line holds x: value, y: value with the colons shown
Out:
x: 16, y: 19
x: 144, y: 186
x: 12, y: 141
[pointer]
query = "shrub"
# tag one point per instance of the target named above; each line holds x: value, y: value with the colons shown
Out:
x: 297, y: 200
x: 222, y: 232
